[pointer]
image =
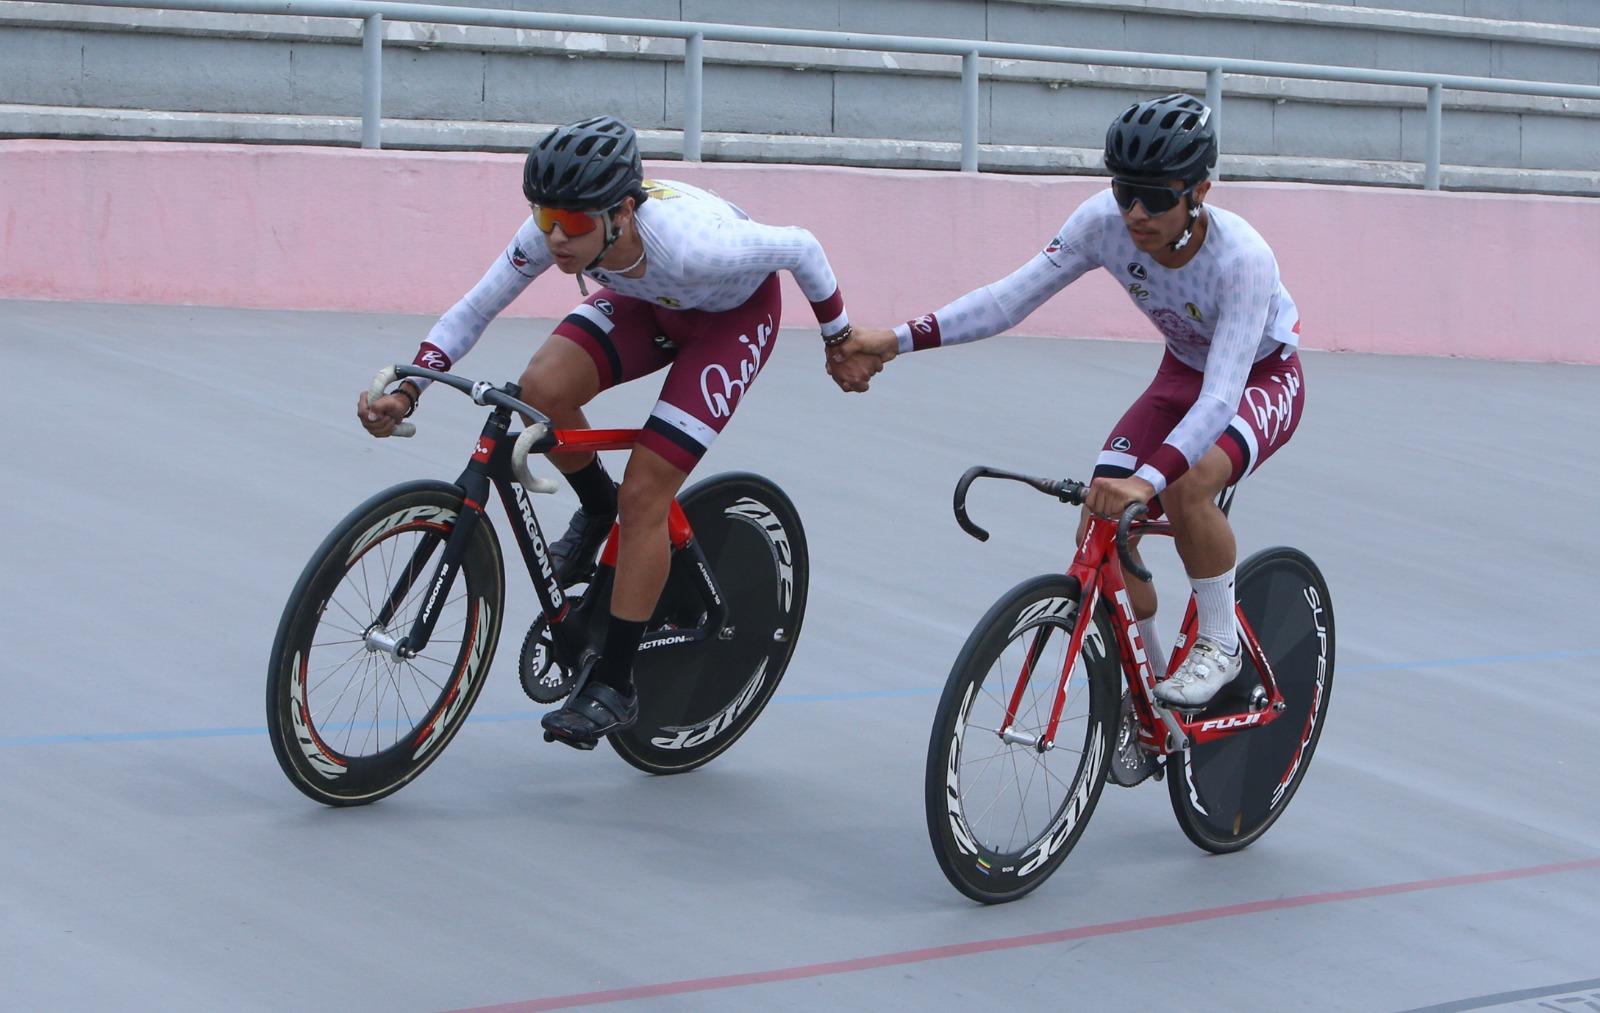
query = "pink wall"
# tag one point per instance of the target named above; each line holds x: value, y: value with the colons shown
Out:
x: 1373, y: 270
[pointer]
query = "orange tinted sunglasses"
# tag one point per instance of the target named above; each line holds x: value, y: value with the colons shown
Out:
x: 573, y: 223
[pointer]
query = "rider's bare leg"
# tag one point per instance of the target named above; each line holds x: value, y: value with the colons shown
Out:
x: 560, y: 379
x: 643, y: 553
x: 643, y: 556
x: 1205, y: 543
x: 1199, y: 527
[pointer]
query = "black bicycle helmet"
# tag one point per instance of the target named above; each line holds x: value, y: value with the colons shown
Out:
x: 585, y: 166
x: 1166, y: 138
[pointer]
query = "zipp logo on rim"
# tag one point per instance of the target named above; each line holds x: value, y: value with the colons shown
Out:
x: 762, y: 517
x: 1071, y: 814
x: 689, y: 736
x: 469, y: 677
x: 962, y: 833
x: 1049, y: 608
x: 437, y: 514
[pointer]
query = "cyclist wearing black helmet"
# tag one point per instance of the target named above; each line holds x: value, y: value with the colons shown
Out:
x: 687, y: 285
x: 1229, y: 391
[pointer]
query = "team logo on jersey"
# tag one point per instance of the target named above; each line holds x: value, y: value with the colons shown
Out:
x: 1138, y: 291
x: 1122, y: 444
x: 1137, y: 270
x: 658, y: 190
x: 519, y: 259
x: 604, y: 306
x: 1194, y: 313
x: 923, y: 324
x: 432, y: 357
x: 1054, y: 247
x: 669, y: 303
x: 1175, y: 327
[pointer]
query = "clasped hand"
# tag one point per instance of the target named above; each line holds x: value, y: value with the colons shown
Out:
x: 862, y: 356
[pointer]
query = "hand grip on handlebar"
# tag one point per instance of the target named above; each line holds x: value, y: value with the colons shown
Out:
x: 1131, y: 514
x: 519, y: 460
x: 385, y: 377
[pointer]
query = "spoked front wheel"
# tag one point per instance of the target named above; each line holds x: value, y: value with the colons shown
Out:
x: 696, y: 698
x: 1004, y: 807
x: 349, y: 722
x: 1228, y: 792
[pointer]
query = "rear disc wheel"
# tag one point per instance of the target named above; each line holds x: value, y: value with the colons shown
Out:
x: 697, y: 698
x: 1230, y: 791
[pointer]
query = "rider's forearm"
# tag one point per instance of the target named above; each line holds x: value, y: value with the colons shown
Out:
x: 994, y: 308
x: 463, y: 324
x: 1198, y: 431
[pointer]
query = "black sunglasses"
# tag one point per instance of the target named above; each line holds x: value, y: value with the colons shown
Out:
x: 1156, y: 198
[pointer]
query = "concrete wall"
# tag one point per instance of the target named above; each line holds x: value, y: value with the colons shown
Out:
x: 72, y: 71
x: 1373, y: 269
x: 1557, y: 12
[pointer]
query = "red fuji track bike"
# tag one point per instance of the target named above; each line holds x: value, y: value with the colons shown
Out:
x: 388, y: 635
x: 1029, y: 727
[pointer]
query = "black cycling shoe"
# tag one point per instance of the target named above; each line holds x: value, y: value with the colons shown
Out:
x: 595, y: 711
x: 573, y: 553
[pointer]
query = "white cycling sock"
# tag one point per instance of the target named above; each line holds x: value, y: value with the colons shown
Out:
x: 1213, y: 598
x: 1152, y: 647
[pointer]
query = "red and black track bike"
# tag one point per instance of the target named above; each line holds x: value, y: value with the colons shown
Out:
x: 387, y: 638
x: 1030, y: 722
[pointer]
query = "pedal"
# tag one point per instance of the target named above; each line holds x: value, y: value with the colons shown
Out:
x: 580, y: 744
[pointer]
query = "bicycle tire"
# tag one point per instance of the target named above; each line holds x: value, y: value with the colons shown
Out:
x: 977, y: 855
x: 1229, y: 792
x: 416, y: 706
x: 697, y: 699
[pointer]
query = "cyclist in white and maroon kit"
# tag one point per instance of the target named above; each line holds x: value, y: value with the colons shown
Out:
x: 688, y: 285
x: 1229, y: 390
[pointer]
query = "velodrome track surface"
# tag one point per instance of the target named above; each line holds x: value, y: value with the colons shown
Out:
x: 169, y: 470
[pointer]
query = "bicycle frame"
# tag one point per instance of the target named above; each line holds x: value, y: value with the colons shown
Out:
x: 491, y: 465
x: 1099, y: 573
x: 1097, y: 569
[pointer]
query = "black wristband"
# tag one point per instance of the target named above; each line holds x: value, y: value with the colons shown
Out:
x: 837, y: 338
x: 411, y: 400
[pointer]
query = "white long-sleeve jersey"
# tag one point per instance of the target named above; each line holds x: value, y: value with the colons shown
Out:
x: 702, y: 252
x: 1221, y: 312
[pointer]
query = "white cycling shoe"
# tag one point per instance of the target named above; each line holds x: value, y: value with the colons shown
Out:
x: 1201, y: 676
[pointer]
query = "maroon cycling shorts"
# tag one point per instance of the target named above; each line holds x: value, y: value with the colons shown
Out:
x: 1268, y: 414
x: 711, y: 359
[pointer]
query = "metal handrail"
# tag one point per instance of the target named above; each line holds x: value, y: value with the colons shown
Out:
x: 373, y: 12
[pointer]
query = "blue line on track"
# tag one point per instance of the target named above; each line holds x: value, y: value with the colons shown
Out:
x: 870, y: 694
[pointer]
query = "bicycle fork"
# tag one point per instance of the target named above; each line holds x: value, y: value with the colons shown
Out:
x: 474, y: 483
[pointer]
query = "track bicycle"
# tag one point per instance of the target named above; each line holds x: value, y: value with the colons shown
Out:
x: 387, y: 637
x: 1031, y: 716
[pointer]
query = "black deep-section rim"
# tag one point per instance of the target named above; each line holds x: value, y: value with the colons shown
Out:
x: 1226, y: 794
x: 696, y: 700
x: 312, y: 757
x: 972, y: 867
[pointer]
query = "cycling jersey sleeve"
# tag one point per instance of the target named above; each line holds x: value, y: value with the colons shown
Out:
x: 463, y: 324
x: 743, y: 245
x: 1002, y: 305
x: 1245, y: 301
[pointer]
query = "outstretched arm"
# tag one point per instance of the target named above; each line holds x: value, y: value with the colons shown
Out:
x: 461, y: 326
